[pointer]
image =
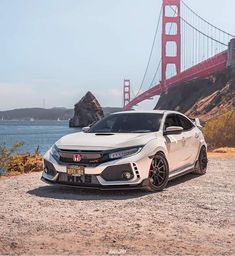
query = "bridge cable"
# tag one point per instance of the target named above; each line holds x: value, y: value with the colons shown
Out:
x: 199, y: 31
x: 206, y: 20
x: 202, y: 33
x: 155, y: 74
x: 151, y: 52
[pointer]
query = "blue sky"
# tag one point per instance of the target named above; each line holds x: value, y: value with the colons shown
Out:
x: 58, y: 49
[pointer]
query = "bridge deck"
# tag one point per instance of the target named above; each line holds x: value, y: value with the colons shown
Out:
x: 202, y: 70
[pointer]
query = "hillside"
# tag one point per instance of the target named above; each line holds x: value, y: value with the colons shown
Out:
x: 201, y: 98
x: 45, y: 114
x: 37, y: 114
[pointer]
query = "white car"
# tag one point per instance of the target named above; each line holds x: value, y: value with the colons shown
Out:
x: 128, y: 150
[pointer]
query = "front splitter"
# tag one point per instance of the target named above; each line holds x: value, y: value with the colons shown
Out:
x: 97, y: 187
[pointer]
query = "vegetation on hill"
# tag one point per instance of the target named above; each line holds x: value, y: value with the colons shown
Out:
x: 13, y: 163
x: 220, y: 131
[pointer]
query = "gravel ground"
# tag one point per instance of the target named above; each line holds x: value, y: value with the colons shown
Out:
x: 192, y: 216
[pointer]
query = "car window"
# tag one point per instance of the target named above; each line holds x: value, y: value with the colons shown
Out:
x: 128, y: 123
x: 171, y: 120
x: 184, y: 123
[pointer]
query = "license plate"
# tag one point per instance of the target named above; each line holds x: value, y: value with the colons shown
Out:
x: 75, y: 170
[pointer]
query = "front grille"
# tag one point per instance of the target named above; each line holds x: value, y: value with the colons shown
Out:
x: 88, y: 158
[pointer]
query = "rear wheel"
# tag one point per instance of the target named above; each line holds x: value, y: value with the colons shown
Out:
x: 158, y: 173
x: 202, y: 161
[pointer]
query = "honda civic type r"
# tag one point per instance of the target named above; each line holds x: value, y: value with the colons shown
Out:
x: 128, y: 150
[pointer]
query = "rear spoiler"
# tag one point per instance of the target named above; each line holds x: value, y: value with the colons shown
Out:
x: 197, y: 122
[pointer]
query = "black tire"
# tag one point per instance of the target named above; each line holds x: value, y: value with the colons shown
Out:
x: 201, y: 165
x: 158, y: 174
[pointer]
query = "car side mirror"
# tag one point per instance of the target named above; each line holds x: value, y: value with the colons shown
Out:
x: 173, y: 130
x: 86, y: 129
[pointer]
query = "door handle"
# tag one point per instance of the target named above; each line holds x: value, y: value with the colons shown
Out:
x: 196, y: 135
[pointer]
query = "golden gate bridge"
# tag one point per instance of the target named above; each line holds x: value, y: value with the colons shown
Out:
x: 191, y: 48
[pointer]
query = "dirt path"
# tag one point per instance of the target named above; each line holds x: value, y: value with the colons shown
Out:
x: 193, y: 216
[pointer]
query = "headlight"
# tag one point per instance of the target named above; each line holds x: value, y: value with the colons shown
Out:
x: 55, y: 152
x: 125, y: 153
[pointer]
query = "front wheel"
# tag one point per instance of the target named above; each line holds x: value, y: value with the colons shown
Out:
x: 158, y: 173
x: 201, y: 165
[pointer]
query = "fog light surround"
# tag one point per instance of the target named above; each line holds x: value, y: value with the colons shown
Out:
x: 127, y: 175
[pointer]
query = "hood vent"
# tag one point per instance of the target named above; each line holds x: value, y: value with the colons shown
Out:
x: 104, y: 134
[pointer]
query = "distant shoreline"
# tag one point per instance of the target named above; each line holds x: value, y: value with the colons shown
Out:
x: 43, y: 114
x: 35, y: 120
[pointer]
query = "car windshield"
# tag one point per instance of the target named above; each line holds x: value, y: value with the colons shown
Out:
x: 128, y: 123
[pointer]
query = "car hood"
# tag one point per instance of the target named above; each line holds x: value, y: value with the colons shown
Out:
x: 94, y: 141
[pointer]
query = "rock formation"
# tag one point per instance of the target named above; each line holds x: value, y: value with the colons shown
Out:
x: 201, y: 98
x: 86, y: 111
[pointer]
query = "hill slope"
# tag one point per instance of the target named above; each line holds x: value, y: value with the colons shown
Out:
x: 201, y: 98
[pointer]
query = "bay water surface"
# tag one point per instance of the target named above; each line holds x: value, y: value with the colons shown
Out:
x: 34, y: 134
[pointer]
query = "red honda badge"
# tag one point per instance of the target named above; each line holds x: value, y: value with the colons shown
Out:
x: 77, y: 158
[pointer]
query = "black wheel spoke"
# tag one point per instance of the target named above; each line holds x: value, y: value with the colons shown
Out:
x: 160, y: 161
x: 154, y: 163
x: 154, y: 179
x: 158, y: 180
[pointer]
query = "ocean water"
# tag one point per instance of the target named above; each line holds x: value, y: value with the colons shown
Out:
x: 34, y: 134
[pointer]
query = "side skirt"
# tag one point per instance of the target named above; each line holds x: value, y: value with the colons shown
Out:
x: 181, y: 171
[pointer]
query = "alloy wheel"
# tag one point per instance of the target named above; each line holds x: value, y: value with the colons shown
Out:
x: 158, y: 171
x: 203, y: 159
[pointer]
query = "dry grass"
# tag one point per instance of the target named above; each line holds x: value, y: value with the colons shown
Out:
x: 13, y: 163
x: 224, y: 151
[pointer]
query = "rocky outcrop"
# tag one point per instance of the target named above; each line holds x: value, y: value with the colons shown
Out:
x: 201, y: 98
x: 86, y: 111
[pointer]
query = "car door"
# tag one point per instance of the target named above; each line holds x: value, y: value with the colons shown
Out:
x: 174, y: 144
x: 190, y: 140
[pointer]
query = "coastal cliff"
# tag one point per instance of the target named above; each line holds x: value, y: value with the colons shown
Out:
x: 86, y: 111
x: 201, y: 98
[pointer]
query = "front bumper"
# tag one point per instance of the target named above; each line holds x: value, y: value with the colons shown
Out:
x: 104, y: 176
x: 142, y: 185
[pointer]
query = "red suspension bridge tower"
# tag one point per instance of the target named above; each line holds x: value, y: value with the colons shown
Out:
x: 171, y: 17
x: 126, y: 92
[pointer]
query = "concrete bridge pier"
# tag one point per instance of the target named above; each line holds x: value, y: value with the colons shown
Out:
x: 231, y: 56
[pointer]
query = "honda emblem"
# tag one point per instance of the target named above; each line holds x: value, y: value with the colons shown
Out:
x: 77, y: 158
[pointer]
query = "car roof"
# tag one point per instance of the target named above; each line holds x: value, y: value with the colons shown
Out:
x: 149, y: 111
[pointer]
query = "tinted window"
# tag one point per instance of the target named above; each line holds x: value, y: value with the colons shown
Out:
x: 185, y: 123
x: 171, y: 120
x: 128, y: 123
